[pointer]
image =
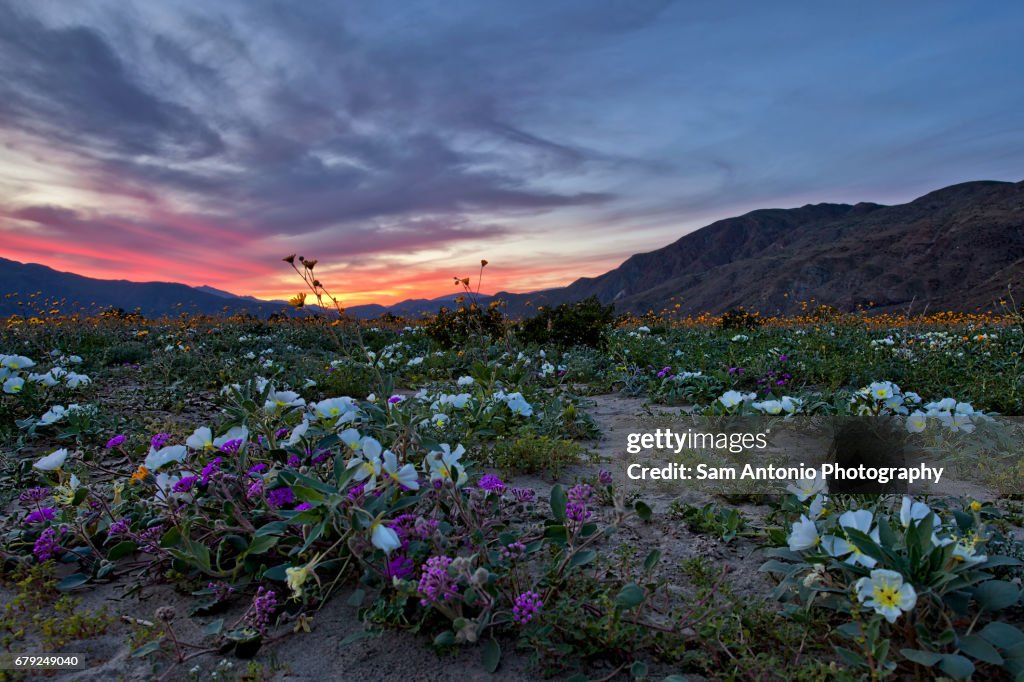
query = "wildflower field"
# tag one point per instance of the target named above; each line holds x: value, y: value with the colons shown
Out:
x: 235, y: 498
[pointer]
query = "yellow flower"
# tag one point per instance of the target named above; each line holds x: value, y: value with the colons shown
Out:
x: 297, y: 301
x: 139, y: 475
x: 975, y: 506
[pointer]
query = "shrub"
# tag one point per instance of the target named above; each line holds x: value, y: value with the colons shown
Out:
x: 583, y: 323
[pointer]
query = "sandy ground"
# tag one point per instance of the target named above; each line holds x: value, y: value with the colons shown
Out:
x: 321, y: 655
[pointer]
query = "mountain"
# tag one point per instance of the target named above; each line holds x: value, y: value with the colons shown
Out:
x: 70, y: 293
x: 953, y: 249
x: 957, y: 248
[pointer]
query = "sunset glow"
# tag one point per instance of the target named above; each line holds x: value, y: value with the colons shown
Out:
x: 202, y: 147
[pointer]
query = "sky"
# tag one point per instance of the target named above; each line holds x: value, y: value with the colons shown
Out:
x: 400, y: 142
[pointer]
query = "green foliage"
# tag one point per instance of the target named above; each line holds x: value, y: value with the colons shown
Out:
x: 531, y: 454
x: 583, y: 323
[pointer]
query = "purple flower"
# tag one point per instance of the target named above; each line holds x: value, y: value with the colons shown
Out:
x: 185, y: 484
x: 435, y: 582
x: 149, y: 539
x: 604, y: 477
x: 40, y: 515
x: 492, y: 484
x: 513, y: 551
x: 356, y: 491
x: 400, y: 567
x: 120, y: 527
x: 159, y: 440
x: 576, y: 514
x: 527, y: 605
x: 221, y: 590
x: 231, y: 446
x: 523, y: 494
x: 395, y: 399
x: 47, y: 545
x: 783, y: 358
x: 580, y: 493
x: 211, y: 469
x: 294, y: 462
x: 279, y: 497
x: 258, y: 468
x: 33, y: 495
x: 305, y: 506
x: 281, y: 433
x: 115, y: 441
x: 254, y: 490
x: 263, y: 606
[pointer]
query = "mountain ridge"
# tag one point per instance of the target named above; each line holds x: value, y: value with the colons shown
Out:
x: 957, y: 248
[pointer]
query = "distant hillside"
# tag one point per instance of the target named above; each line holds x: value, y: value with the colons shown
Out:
x: 86, y: 294
x: 953, y: 249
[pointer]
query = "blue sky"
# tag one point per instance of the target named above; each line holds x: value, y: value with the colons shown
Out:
x: 400, y: 142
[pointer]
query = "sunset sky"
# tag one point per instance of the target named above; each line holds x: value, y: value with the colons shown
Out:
x: 401, y: 142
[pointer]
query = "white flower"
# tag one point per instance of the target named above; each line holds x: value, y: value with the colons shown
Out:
x: 731, y: 398
x: 201, y: 439
x: 861, y: 520
x: 384, y: 538
x: 297, y: 433
x: 14, y: 385
x: 915, y: 511
x: 966, y: 551
x: 768, y: 406
x: 441, y: 464
x: 881, y: 390
x: 74, y: 380
x: 440, y: 420
x: 333, y: 407
x: 46, y: 379
x: 518, y: 405
x: 791, y: 405
x: 807, y: 488
x: 405, y: 475
x: 917, y: 422
x: 465, y: 381
x: 53, y: 461
x: 804, y: 535
x: 164, y: 456
x: 16, y: 362
x: 234, y: 433
x: 740, y: 338
x: 886, y: 593
x: 279, y: 400
x: 644, y: 330
x: 367, y: 462
x: 53, y: 415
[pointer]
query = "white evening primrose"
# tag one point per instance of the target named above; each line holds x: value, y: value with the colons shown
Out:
x: 404, y: 475
x: 297, y: 433
x: 804, y: 535
x: 838, y: 547
x: 17, y: 362
x: 911, y: 511
x: 731, y: 399
x: 768, y: 406
x: 53, y: 415
x: 440, y: 420
x: 201, y: 439
x: 14, y: 385
x: 53, y: 461
x: 234, y: 433
x: 384, y: 538
x: 886, y: 593
x: 443, y: 463
x: 164, y: 456
x: 917, y: 422
x: 806, y: 488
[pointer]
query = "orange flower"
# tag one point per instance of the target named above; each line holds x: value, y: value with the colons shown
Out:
x: 139, y: 475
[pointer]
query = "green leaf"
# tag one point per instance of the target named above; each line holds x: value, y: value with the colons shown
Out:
x: 1003, y: 635
x: 261, y: 544
x: 276, y: 573
x: 630, y: 596
x: 582, y: 558
x: 994, y: 595
x: 213, y: 628
x: 121, y: 550
x: 642, y: 510
x: 925, y: 658
x: 357, y: 597
x: 976, y: 647
x: 72, y: 581
x: 446, y: 638
x: 492, y: 655
x: 957, y: 666
x: 558, y: 502
x: 638, y: 670
x: 851, y: 657
x: 148, y: 648
x: 273, y: 528
x: 652, y: 559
